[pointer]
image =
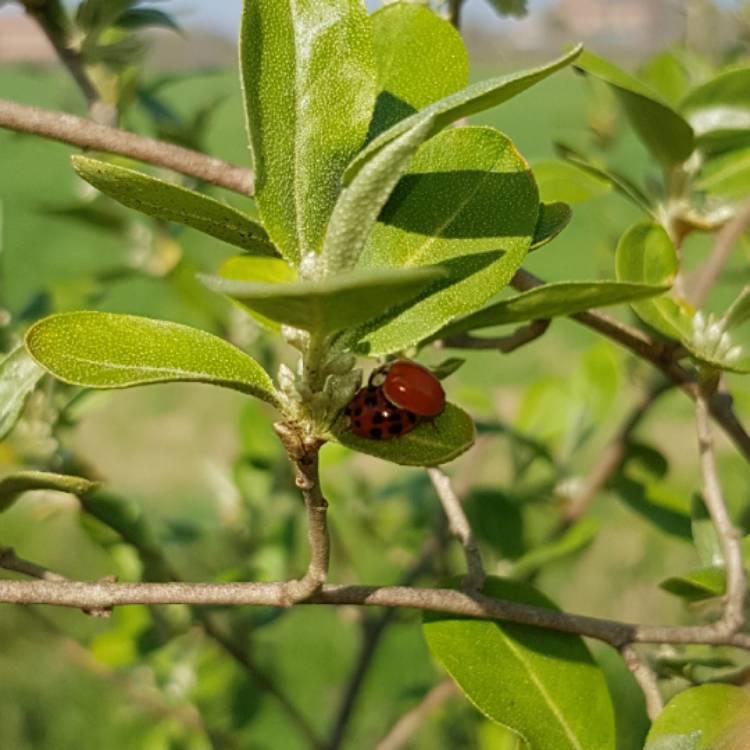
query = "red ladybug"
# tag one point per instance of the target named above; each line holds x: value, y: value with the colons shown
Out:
x: 372, y: 416
x: 410, y: 386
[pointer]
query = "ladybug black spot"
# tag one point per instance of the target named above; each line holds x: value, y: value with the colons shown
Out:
x: 358, y: 411
x: 412, y: 417
x: 370, y: 401
x: 378, y: 417
x: 357, y: 422
x: 395, y: 429
x: 376, y: 433
x: 394, y: 416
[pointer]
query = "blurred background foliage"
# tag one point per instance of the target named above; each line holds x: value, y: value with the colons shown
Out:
x: 195, y: 481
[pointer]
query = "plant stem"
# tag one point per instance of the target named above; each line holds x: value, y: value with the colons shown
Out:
x: 303, y: 454
x: 646, y: 679
x: 460, y: 528
x: 733, y: 617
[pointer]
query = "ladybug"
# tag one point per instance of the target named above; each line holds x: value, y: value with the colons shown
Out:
x: 397, y: 397
x: 408, y: 385
x: 372, y: 416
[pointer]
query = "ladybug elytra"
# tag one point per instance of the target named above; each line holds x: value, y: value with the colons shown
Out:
x: 395, y: 400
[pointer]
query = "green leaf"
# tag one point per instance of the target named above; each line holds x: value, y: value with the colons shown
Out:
x: 420, y: 59
x: 517, y: 8
x: 646, y: 255
x: 468, y: 201
x: 726, y: 175
x: 574, y: 540
x: 19, y: 374
x: 738, y: 312
x: 102, y: 350
x: 476, y: 98
x: 139, y: 18
x: 170, y: 202
x: 697, y: 585
x: 551, y: 301
x: 719, y: 110
x: 705, y: 536
x: 553, y: 218
x: 432, y: 443
x: 14, y: 485
x: 560, y: 181
x: 257, y: 270
x: 309, y: 78
x: 541, y: 684
x: 666, y: 73
x: 619, y: 182
x: 361, y: 201
x: 718, y: 714
x: 662, y: 130
x: 333, y: 304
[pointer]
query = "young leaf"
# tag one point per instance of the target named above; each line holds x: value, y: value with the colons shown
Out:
x: 165, y: 200
x: 626, y: 187
x: 257, y: 271
x: 103, y: 350
x: 468, y: 193
x: 560, y: 181
x: 551, y: 301
x: 542, y: 684
x: 739, y: 311
x: 420, y: 59
x: 19, y: 374
x: 719, y: 715
x: 517, y: 8
x: 719, y: 110
x: 361, y: 201
x: 553, y: 218
x: 14, y: 485
x: 726, y: 175
x: 432, y: 443
x: 697, y: 585
x: 332, y: 304
x: 475, y: 98
x: 309, y: 79
x: 663, y: 131
x: 646, y: 255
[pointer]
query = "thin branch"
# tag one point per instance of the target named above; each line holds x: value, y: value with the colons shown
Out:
x: 304, y: 458
x: 658, y: 354
x: 733, y: 617
x: 722, y: 248
x: 646, y: 679
x: 43, y: 12
x: 77, y: 131
x: 101, y: 594
x: 611, y: 458
x: 461, y: 529
x: 409, y: 723
x: 506, y: 344
x: 10, y: 561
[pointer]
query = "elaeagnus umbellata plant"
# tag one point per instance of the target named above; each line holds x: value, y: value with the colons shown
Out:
x: 381, y: 224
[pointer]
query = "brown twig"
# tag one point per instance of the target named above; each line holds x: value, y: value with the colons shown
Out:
x: 725, y: 241
x: 10, y: 561
x: 646, y: 679
x: 304, y: 458
x: 77, y: 131
x: 733, y: 616
x: 506, y: 344
x: 460, y: 528
x: 403, y: 730
x: 658, y: 354
x: 101, y: 594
